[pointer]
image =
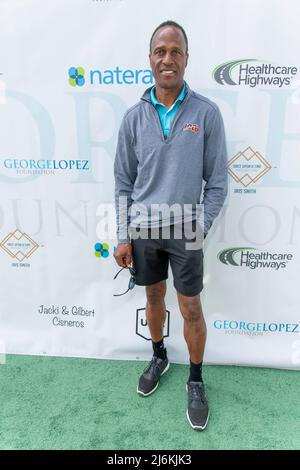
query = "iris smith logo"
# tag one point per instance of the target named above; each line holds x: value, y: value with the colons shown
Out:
x: 76, y: 76
x: 244, y: 72
x: 253, y: 258
x: 248, y: 166
x: 19, y: 245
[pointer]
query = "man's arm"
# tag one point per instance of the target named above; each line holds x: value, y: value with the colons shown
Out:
x: 214, y: 168
x: 125, y: 172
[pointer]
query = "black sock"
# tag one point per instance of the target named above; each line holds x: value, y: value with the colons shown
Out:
x: 195, y: 372
x: 159, y: 349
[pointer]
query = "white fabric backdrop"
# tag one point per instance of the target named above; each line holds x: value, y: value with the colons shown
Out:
x: 50, y: 221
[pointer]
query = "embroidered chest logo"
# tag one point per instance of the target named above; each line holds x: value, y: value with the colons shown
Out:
x: 191, y: 127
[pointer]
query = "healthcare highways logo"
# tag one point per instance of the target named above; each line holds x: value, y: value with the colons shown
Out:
x: 253, y: 258
x: 253, y: 73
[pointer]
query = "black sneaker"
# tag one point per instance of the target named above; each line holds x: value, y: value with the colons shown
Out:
x: 149, y: 379
x: 197, y: 411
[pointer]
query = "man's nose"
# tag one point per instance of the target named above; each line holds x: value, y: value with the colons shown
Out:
x: 168, y: 58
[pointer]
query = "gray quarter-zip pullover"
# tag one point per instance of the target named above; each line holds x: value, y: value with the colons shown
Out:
x: 152, y: 170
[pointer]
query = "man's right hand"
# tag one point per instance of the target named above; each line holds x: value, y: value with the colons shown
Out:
x: 123, y: 255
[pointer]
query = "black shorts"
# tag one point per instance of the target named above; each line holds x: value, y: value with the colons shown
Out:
x: 151, y: 260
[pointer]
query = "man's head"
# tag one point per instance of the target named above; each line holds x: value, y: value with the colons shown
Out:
x: 168, y: 54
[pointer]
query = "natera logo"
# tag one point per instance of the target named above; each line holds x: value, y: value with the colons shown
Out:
x: 102, y: 250
x: 76, y: 76
x: 253, y: 258
x: 240, y: 72
x: 114, y: 76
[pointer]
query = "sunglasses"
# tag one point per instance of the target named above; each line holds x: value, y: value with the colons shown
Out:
x: 131, y: 283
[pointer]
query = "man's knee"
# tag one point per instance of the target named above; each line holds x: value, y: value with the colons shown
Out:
x: 156, y: 292
x: 190, y: 307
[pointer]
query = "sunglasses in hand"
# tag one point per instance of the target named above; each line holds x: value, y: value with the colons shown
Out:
x: 131, y: 283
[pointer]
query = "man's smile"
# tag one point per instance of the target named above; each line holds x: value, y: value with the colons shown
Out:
x: 167, y: 72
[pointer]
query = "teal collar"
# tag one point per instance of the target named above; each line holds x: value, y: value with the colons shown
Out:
x: 179, y: 99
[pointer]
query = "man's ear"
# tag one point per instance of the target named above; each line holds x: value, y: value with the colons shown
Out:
x: 187, y: 58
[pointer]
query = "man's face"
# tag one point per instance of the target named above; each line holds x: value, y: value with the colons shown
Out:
x: 168, y: 57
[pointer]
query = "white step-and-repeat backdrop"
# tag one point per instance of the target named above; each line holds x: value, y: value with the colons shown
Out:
x: 68, y: 71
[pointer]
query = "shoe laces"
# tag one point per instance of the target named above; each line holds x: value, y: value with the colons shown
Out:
x: 197, y: 392
x: 153, y: 366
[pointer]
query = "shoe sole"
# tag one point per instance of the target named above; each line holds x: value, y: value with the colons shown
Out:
x: 194, y: 426
x: 197, y: 428
x: 153, y: 390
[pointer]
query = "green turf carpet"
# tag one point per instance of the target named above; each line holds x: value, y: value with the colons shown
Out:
x: 69, y: 403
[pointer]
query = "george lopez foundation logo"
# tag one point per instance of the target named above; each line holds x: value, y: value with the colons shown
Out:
x: 253, y: 73
x: 237, y: 327
x: 29, y: 166
x: 191, y: 127
x: 254, y: 259
x: 247, y: 167
x: 19, y: 245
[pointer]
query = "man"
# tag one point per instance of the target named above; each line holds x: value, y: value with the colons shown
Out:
x: 169, y: 142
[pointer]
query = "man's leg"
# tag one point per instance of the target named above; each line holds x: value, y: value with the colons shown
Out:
x: 156, y: 309
x: 194, y: 326
x: 195, y: 337
x: 155, y: 315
